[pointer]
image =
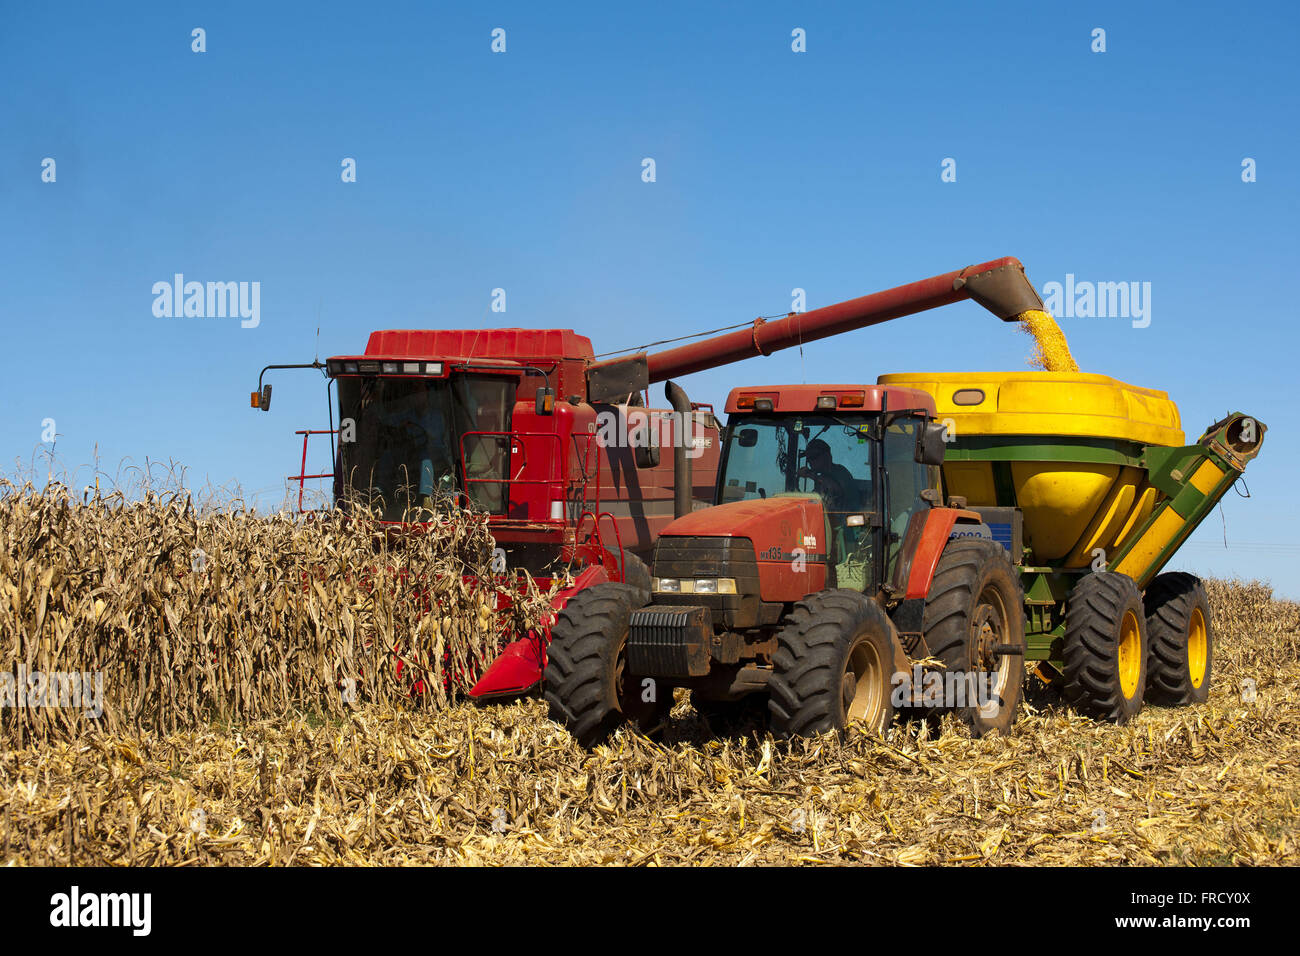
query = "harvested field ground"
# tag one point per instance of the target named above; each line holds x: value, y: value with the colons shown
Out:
x: 1215, y: 784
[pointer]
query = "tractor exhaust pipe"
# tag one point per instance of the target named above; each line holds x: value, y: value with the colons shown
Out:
x: 682, y: 489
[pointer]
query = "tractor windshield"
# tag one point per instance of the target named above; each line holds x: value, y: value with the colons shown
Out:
x: 827, y: 455
x: 400, y: 442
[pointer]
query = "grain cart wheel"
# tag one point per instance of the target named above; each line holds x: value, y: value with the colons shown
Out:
x: 1105, y: 654
x: 1180, y: 640
x: 587, y: 684
x: 834, y: 665
x: 975, y: 623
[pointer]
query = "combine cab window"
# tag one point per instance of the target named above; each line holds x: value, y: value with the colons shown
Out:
x: 482, y: 406
x: 405, y: 458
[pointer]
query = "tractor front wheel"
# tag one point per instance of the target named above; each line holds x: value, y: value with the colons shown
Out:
x: 834, y: 665
x: 588, y: 686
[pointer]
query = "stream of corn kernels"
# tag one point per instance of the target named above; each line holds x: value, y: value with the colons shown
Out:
x: 1051, y: 351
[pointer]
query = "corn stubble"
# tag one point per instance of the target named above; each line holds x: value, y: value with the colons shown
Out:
x: 437, y: 781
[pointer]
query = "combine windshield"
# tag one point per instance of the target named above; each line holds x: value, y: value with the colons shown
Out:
x: 405, y: 452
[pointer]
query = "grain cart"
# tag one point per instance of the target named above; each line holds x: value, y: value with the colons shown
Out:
x: 830, y: 566
x: 1086, y: 482
x: 514, y: 422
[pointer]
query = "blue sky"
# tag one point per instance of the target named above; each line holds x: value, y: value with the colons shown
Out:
x: 522, y: 170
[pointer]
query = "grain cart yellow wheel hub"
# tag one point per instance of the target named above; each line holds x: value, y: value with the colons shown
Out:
x: 1180, y: 638
x: 1197, y: 645
x: 1130, y: 654
x: 1105, y: 650
x: 862, y: 686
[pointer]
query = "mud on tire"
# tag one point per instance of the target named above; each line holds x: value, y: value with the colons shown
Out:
x: 834, y: 665
x: 1105, y: 655
x: 587, y: 685
x: 975, y: 623
x: 1181, y: 640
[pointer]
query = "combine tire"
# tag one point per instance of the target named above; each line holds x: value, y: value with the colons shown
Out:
x: 1180, y: 638
x: 975, y: 623
x: 834, y: 665
x: 587, y: 684
x: 1105, y: 653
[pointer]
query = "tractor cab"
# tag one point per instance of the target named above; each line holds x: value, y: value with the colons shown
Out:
x: 858, y: 451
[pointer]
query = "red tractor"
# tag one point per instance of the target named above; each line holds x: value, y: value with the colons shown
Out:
x: 560, y: 450
x: 826, y: 567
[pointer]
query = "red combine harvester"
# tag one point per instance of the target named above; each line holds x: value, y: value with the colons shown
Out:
x: 560, y: 450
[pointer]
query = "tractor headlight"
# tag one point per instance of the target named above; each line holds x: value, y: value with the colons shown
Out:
x: 694, y: 586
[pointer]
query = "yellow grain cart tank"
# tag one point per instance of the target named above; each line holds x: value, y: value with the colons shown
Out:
x: 1096, y: 467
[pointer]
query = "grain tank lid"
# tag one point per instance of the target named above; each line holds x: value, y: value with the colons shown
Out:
x: 1072, y: 404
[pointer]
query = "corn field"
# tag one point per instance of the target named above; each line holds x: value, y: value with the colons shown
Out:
x: 186, y: 618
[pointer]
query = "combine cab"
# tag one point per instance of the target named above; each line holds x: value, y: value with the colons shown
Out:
x: 575, y: 489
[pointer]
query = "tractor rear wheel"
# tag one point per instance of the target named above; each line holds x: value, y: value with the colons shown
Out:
x: 1181, y: 640
x: 975, y: 623
x: 588, y: 686
x: 1105, y: 655
x: 834, y: 665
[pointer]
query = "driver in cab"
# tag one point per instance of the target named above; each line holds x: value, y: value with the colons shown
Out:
x: 832, y: 481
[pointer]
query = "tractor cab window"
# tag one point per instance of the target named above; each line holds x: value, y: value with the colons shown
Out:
x: 757, y: 461
x: 401, y: 453
x: 905, y: 479
x: 826, y: 455
x: 836, y: 463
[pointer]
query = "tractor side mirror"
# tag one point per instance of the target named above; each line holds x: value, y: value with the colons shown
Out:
x: 747, y: 437
x: 545, y: 401
x: 647, y: 456
x: 930, y: 444
x: 262, y: 399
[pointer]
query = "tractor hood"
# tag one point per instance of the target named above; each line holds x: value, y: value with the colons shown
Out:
x: 776, y: 526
